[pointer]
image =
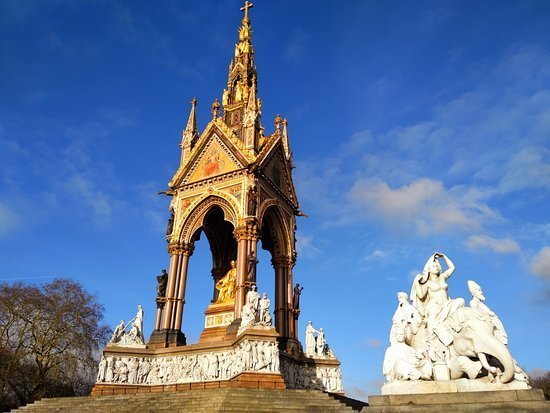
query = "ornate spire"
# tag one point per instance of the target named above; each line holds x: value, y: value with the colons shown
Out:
x: 242, y: 82
x: 190, y: 133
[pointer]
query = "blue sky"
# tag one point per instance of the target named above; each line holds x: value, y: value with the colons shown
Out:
x: 415, y: 127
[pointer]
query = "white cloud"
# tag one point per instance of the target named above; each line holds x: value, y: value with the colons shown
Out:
x: 530, y: 168
x: 9, y: 220
x: 305, y: 245
x: 540, y: 264
x: 376, y: 255
x: 501, y: 246
x: 99, y: 202
x: 424, y: 205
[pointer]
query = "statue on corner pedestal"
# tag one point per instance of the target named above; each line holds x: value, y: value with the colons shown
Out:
x: 435, y: 337
x: 121, y: 337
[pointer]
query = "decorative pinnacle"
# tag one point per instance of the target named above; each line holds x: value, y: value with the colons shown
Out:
x: 247, y: 5
x: 278, y: 121
x: 191, y: 129
x: 215, y: 109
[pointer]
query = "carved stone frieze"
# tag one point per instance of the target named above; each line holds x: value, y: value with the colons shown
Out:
x: 248, y: 356
x: 311, y: 377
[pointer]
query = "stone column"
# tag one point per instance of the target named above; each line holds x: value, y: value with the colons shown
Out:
x: 282, y: 264
x: 187, y: 250
x: 174, y: 250
x: 165, y: 333
x: 291, y: 322
x: 253, y: 247
x: 160, y: 306
x: 242, y: 237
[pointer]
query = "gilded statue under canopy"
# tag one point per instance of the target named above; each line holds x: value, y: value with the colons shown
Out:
x: 226, y: 285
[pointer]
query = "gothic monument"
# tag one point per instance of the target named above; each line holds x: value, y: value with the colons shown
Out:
x: 234, y: 186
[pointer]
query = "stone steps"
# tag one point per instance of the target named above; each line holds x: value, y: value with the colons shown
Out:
x: 196, y: 401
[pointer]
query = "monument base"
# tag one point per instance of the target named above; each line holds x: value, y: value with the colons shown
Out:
x: 487, y: 401
x: 166, y: 338
x: 450, y: 386
x: 251, y: 360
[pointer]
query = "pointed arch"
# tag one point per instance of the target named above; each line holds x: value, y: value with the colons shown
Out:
x: 275, y: 232
x: 202, y: 206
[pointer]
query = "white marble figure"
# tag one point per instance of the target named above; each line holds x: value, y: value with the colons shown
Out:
x: 101, y: 370
x: 430, y: 297
x: 310, y: 339
x: 256, y: 311
x: 265, y: 315
x: 316, y: 345
x: 253, y: 296
x: 321, y: 343
x: 459, y: 341
x: 121, y: 337
x: 402, y: 362
x: 478, y: 303
x: 118, y: 333
x: 248, y: 315
x: 405, y: 313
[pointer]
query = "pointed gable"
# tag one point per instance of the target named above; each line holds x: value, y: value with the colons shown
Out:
x: 214, y: 154
x: 275, y: 167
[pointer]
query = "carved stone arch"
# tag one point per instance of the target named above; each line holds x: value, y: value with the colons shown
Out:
x: 198, y: 211
x: 272, y: 219
x: 264, y: 206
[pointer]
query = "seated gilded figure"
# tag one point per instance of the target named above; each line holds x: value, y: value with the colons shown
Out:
x: 226, y: 285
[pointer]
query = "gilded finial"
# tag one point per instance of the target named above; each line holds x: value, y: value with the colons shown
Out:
x: 194, y: 101
x: 215, y: 109
x: 247, y: 5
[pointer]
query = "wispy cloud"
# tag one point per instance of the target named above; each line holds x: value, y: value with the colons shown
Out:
x: 376, y: 255
x: 9, y: 220
x: 64, y: 159
x: 305, y: 245
x: 500, y: 246
x: 540, y: 264
x: 456, y: 171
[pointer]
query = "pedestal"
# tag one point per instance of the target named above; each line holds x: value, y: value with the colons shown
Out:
x: 449, y: 386
x: 166, y: 338
x: 468, y: 401
x: 216, y: 321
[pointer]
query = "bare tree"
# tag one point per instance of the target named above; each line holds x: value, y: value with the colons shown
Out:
x: 50, y: 338
x: 542, y: 382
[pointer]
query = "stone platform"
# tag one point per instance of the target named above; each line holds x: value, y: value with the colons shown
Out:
x: 484, y: 401
x: 201, y: 401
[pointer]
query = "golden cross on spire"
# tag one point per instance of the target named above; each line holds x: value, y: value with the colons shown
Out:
x: 247, y: 5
